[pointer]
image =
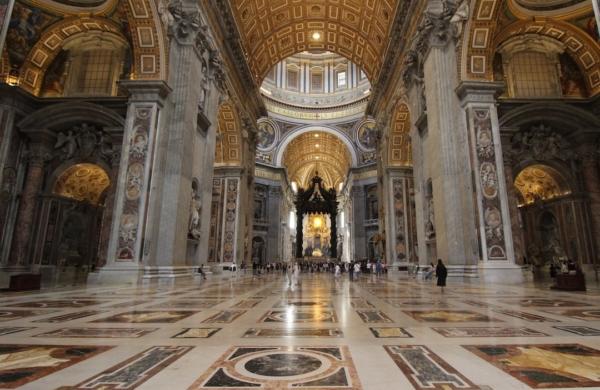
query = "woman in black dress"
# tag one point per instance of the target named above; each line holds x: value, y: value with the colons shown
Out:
x: 441, y: 272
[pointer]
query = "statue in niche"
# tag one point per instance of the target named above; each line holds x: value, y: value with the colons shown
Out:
x: 429, y: 224
x: 203, y: 94
x: 195, y: 213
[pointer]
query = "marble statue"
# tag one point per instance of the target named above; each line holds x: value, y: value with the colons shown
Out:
x: 195, y: 212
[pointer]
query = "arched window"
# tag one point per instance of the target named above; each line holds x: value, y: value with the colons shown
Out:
x: 531, y: 65
x: 95, y: 64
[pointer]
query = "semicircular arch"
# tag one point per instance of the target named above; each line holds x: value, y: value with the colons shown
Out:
x: 286, y: 139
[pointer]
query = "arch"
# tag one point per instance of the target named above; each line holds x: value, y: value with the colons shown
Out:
x: 145, y: 30
x: 272, y: 31
x: 83, y: 182
x: 105, y: 7
x: 70, y: 113
x: 567, y: 10
x: 399, y: 144
x: 228, y: 151
x: 305, y: 129
x: 541, y: 182
x: 568, y: 116
x: 579, y: 45
x: 479, y: 44
x: 51, y: 42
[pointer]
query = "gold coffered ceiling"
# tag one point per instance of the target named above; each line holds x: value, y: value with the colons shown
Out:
x: 272, y: 30
x: 320, y: 152
x: 82, y: 182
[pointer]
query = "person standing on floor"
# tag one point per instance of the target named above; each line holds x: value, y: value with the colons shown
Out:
x: 442, y: 273
x: 337, y: 271
x: 356, y: 270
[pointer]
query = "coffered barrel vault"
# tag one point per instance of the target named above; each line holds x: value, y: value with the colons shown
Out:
x: 274, y: 30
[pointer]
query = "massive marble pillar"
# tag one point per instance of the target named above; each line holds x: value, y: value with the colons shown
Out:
x: 128, y: 243
x: 109, y: 201
x: 274, y: 238
x: 591, y: 182
x: 234, y: 219
x: 448, y: 165
x: 8, y: 180
x: 360, y: 235
x: 400, y: 217
x: 491, y: 197
x: 38, y: 154
x: 519, y: 247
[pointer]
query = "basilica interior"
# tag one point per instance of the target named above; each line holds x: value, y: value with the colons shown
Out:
x: 186, y: 187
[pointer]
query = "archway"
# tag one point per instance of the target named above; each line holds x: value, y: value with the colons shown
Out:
x: 70, y: 223
x: 546, y: 204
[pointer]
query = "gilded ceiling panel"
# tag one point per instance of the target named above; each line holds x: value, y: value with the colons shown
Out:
x: 229, y: 148
x: 82, y: 182
x: 317, y: 151
x: 273, y: 30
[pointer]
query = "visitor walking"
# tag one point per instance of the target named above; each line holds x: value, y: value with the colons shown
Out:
x: 356, y: 270
x: 430, y: 272
x: 442, y: 273
x: 338, y: 271
x: 351, y: 271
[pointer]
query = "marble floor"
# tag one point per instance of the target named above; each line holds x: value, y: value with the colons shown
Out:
x: 236, y: 332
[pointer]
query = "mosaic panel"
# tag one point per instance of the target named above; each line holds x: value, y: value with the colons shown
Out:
x: 70, y: 316
x: 5, y: 331
x: 541, y: 302
x: 53, y: 304
x: 224, y: 316
x: 384, y: 333
x: 488, y: 332
x: 302, y: 303
x: 134, y: 371
x: 111, y: 333
x: 586, y: 315
x: 148, y: 317
x: 293, y: 332
x: 415, y: 302
x: 246, y: 304
x: 525, y: 316
x: 299, y: 316
x: 373, y: 316
x: 10, y: 315
x: 196, y: 333
x: 21, y: 364
x: 580, y: 330
x: 448, y: 316
x: 544, y: 365
x: 272, y: 368
x: 426, y: 370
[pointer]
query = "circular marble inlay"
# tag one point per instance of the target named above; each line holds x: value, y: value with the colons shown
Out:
x: 283, y: 365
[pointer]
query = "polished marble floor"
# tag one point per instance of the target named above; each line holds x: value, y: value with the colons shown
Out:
x: 239, y: 332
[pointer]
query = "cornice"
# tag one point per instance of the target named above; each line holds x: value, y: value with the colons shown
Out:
x: 397, y: 43
x: 225, y: 23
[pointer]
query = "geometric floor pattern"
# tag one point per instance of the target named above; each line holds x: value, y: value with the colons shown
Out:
x: 239, y: 332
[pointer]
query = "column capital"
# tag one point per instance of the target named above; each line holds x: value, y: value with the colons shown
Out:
x: 142, y: 91
x: 479, y: 91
